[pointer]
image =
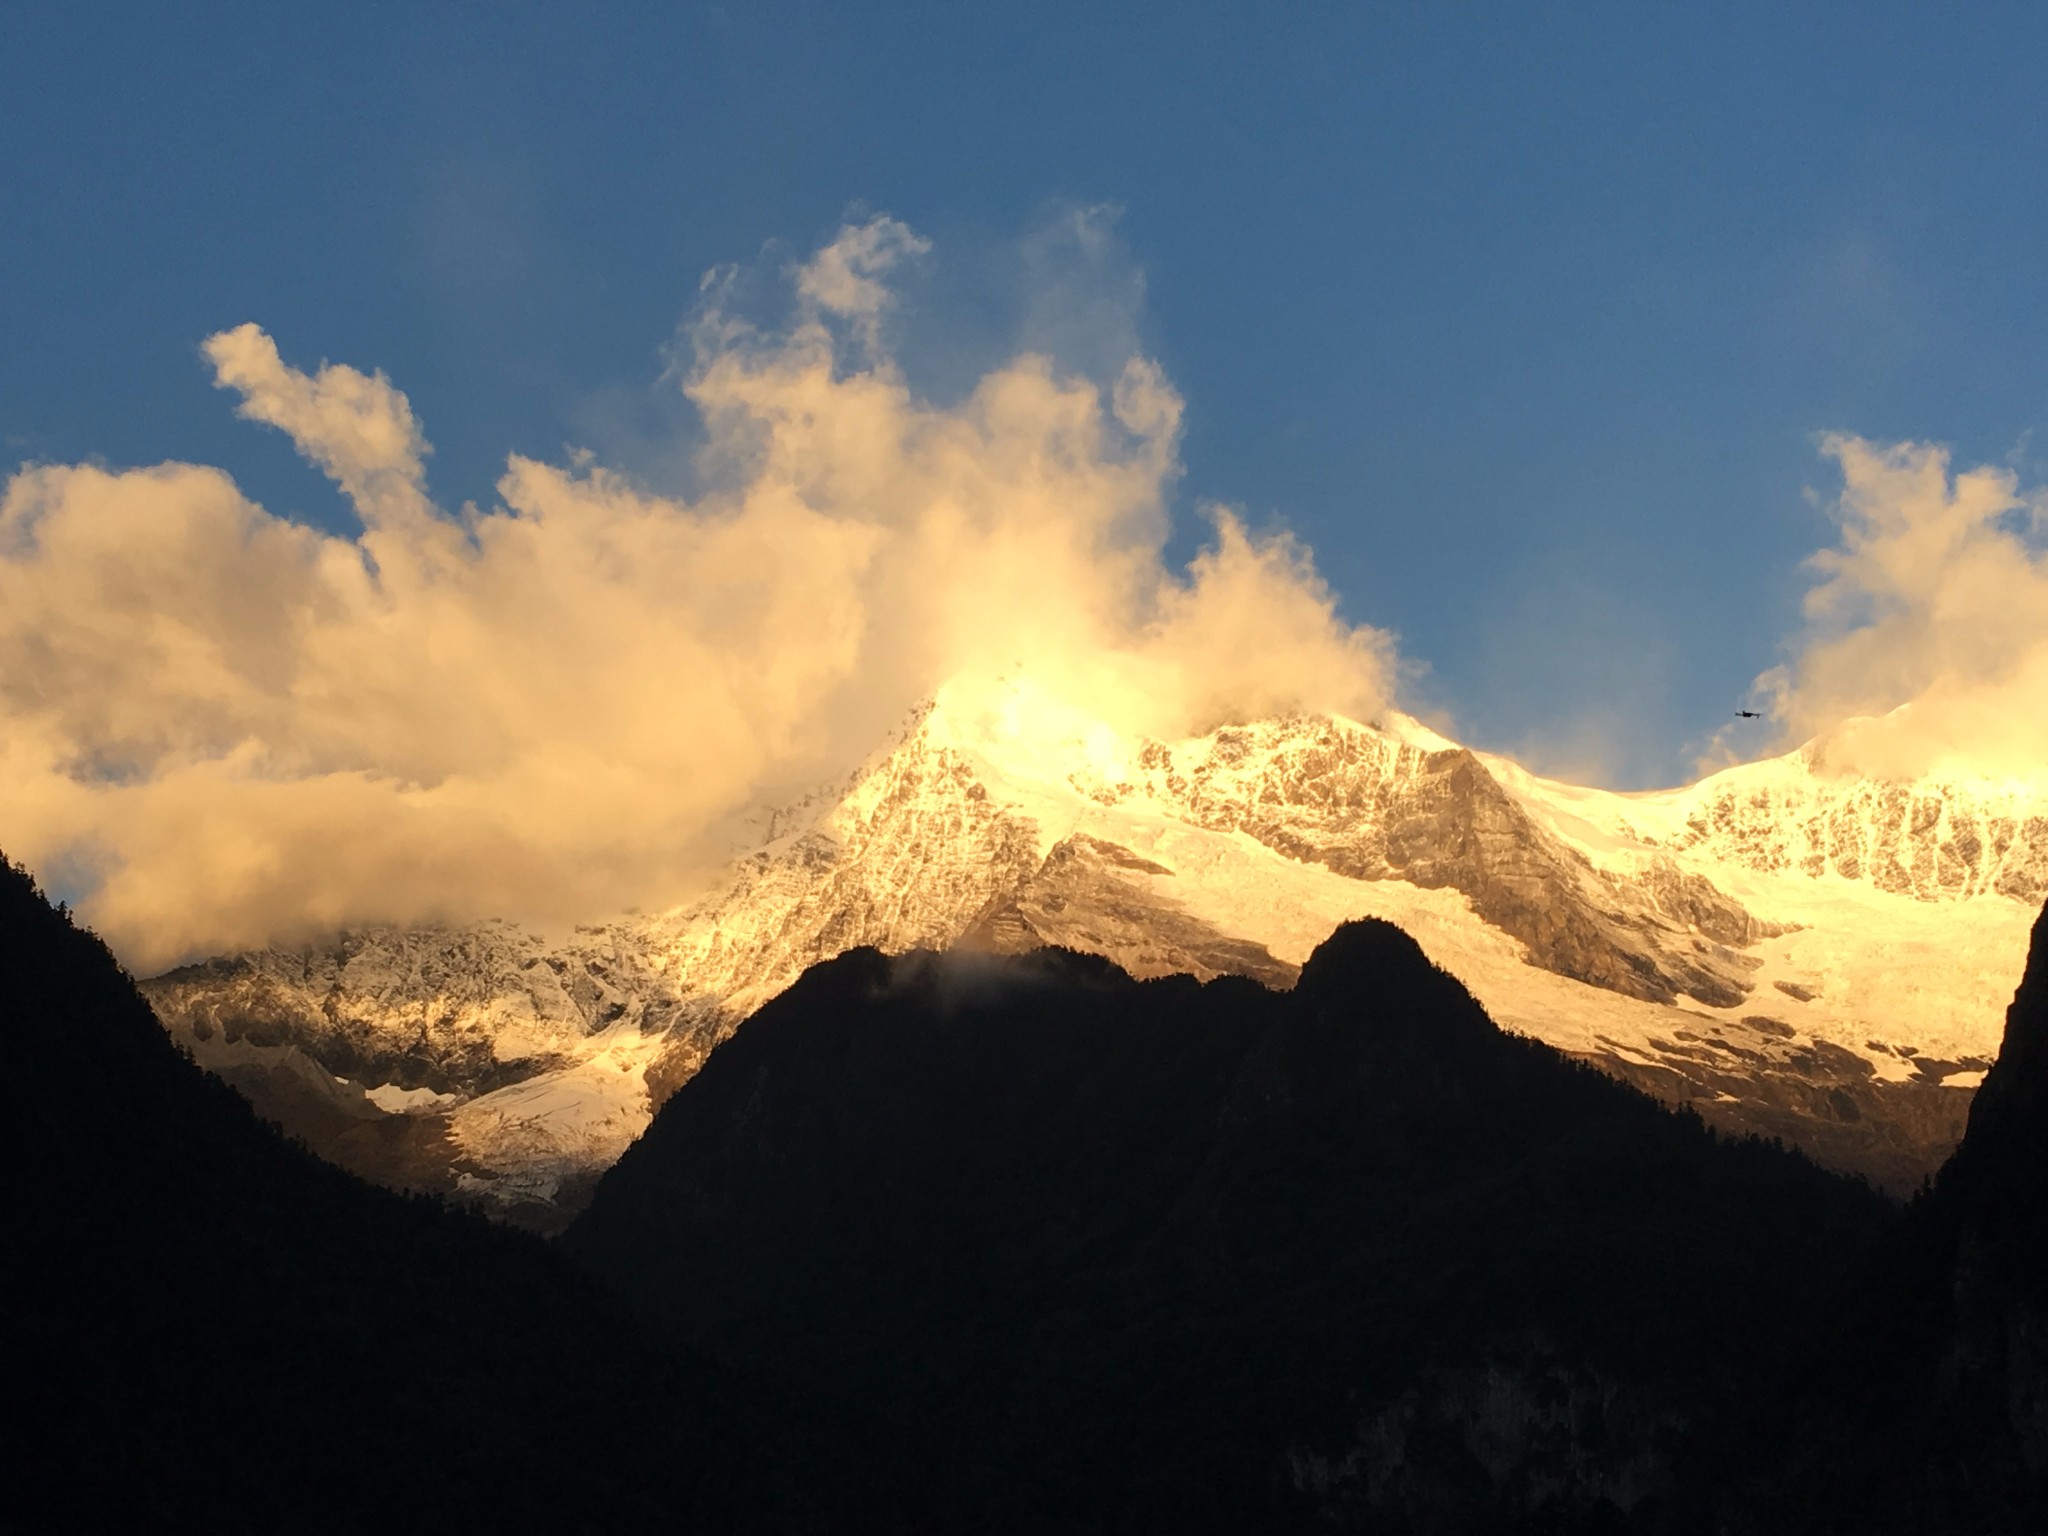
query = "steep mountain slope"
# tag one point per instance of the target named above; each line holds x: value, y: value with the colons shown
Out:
x: 1796, y: 954
x: 209, y: 1329
x: 1171, y: 1256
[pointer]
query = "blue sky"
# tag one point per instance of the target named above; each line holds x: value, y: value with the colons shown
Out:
x: 1525, y: 319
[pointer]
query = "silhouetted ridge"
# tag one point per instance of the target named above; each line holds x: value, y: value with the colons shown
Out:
x: 1997, y: 1181
x: 1923, y: 1406
x: 1977, y: 1437
x: 1362, y: 950
x: 1377, y: 975
x: 208, y: 1329
x: 1072, y: 1251
x: 1168, y: 1255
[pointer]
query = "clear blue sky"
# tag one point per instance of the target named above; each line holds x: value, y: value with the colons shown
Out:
x: 1524, y: 317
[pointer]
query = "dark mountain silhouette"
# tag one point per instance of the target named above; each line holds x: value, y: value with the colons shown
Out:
x: 1029, y: 1245
x: 1170, y: 1256
x: 1927, y: 1409
x: 1995, y: 1189
x: 208, y: 1329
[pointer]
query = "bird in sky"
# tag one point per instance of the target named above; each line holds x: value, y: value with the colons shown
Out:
x: 1749, y: 714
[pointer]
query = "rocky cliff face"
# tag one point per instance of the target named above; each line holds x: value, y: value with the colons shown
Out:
x: 1102, y: 899
x: 1708, y: 944
x: 1371, y: 807
x: 449, y: 1011
x: 1936, y: 840
x: 914, y: 852
x: 452, y: 1060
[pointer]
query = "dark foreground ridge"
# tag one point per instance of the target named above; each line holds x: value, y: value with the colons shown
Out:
x: 1030, y: 1246
x: 208, y: 1329
x: 1928, y: 1407
x: 1168, y: 1256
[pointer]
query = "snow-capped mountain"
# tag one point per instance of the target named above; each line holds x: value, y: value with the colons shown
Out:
x: 1820, y: 958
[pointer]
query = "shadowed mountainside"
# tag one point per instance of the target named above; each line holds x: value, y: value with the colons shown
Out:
x: 1166, y: 1255
x: 1928, y: 1407
x: 1056, y: 1250
x: 210, y: 1329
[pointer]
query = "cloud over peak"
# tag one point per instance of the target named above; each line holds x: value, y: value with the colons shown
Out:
x: 220, y: 727
x: 226, y: 728
x: 1926, y: 640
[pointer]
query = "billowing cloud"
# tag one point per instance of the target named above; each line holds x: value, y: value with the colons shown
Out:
x: 1926, y: 649
x: 357, y: 428
x: 227, y: 728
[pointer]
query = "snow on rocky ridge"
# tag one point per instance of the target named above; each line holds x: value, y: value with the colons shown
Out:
x: 1819, y: 958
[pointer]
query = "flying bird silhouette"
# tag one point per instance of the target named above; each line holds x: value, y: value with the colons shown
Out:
x: 1749, y: 714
